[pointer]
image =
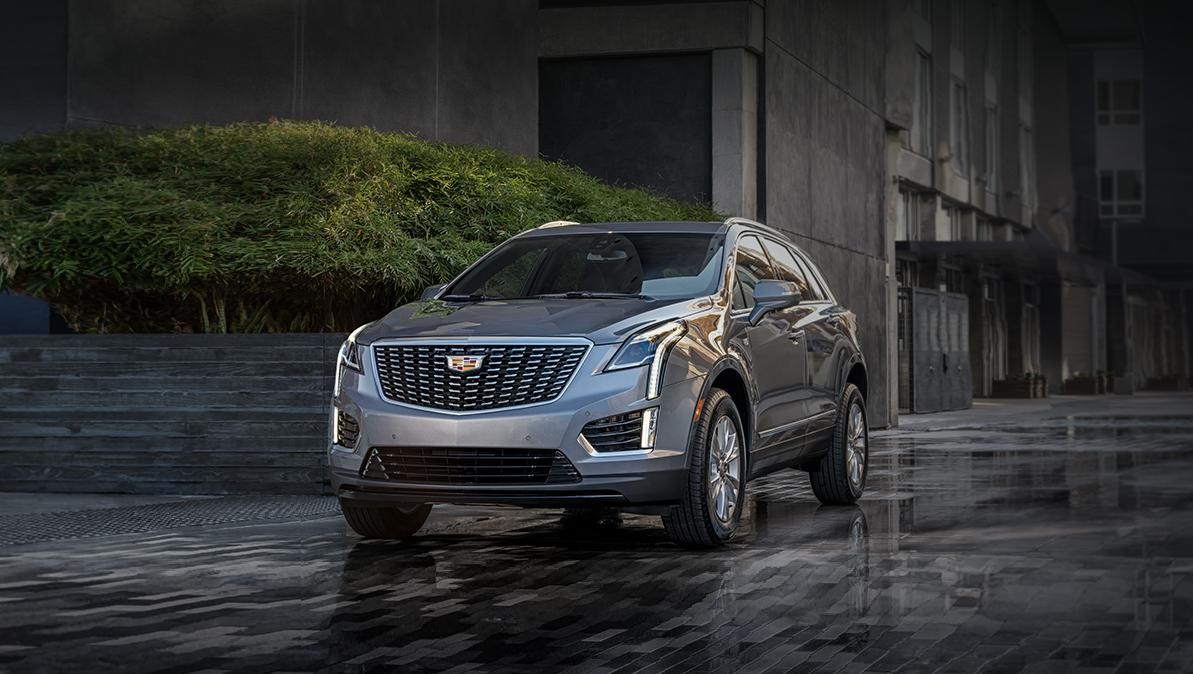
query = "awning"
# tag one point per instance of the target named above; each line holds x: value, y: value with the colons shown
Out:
x: 1030, y: 255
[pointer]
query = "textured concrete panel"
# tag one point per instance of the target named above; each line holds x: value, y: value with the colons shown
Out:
x: 32, y: 68
x: 735, y: 132
x: 843, y: 41
x: 651, y: 27
x: 487, y: 76
x: 370, y: 63
x: 144, y: 62
x: 824, y: 159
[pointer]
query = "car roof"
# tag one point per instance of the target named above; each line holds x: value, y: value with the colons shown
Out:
x: 657, y: 227
x: 653, y: 226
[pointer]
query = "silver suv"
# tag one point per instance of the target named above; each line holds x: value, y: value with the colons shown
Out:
x: 644, y: 366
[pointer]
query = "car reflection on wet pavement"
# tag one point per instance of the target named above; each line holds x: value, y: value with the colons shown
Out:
x: 1056, y: 540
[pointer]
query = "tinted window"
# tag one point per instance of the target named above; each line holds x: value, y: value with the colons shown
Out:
x: 662, y: 266
x: 818, y: 291
x: 751, y: 266
x: 786, y: 266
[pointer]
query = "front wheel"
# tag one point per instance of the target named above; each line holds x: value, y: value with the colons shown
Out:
x: 840, y: 477
x: 710, y: 510
x: 385, y: 521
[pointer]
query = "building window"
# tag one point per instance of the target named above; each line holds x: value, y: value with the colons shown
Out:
x: 1027, y: 164
x: 1119, y: 102
x: 992, y: 148
x: 961, y: 224
x: 907, y: 273
x: 1120, y: 193
x: 957, y: 25
x: 959, y: 128
x: 954, y: 280
x: 921, y: 120
x: 907, y: 216
x: 985, y: 230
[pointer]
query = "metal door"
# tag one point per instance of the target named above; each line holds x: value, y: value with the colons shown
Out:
x: 956, y: 372
x: 927, y: 381
x: 940, y: 375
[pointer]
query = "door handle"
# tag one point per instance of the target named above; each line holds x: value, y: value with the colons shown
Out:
x: 795, y: 335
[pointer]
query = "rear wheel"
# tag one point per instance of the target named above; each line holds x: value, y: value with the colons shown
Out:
x: 385, y: 521
x: 840, y: 477
x: 709, y: 513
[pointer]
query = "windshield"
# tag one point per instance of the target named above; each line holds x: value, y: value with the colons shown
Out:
x: 657, y: 266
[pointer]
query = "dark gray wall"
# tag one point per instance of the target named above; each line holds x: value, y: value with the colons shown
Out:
x: 1167, y: 112
x: 455, y: 70
x: 825, y: 163
x: 643, y: 121
x: 32, y: 67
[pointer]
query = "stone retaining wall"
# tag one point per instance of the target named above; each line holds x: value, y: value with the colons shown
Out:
x: 183, y: 414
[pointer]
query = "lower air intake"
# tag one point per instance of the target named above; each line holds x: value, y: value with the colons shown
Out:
x: 468, y: 466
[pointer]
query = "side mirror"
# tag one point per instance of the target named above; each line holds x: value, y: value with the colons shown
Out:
x: 431, y: 291
x: 771, y: 295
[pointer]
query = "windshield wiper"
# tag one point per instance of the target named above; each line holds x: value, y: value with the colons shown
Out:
x: 597, y: 295
x: 467, y: 298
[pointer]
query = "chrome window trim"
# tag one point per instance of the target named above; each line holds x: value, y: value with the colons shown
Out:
x: 477, y: 341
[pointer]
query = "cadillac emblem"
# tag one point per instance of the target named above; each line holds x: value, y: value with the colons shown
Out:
x: 464, y: 363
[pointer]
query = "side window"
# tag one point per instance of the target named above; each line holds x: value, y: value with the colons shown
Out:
x: 751, y: 266
x: 787, y: 268
x: 818, y: 292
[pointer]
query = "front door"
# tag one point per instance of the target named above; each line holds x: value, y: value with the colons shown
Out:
x: 777, y: 350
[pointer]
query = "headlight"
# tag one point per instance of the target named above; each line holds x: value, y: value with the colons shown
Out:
x: 649, y: 346
x: 349, y: 357
x: 350, y: 352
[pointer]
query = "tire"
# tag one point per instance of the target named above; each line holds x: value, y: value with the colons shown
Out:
x: 837, y: 479
x: 387, y: 522
x: 697, y: 522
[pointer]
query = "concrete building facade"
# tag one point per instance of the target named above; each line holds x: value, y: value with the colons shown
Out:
x: 924, y: 153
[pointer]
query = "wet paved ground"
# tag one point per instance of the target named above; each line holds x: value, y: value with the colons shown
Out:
x: 1018, y: 536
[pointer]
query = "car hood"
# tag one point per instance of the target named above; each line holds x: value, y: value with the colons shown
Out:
x: 603, y: 321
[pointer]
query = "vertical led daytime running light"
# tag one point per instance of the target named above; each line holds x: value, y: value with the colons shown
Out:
x: 650, y: 421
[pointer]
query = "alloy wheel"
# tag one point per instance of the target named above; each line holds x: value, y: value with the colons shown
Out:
x: 855, y: 446
x: 724, y: 470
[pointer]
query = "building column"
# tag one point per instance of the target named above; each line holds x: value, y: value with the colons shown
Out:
x: 735, y: 132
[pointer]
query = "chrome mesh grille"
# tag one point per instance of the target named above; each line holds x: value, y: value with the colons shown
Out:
x: 510, y: 374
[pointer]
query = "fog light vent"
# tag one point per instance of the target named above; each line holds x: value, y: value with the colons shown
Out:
x: 618, y: 433
x: 347, y: 429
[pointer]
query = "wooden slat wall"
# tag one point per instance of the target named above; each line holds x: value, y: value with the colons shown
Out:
x: 154, y: 414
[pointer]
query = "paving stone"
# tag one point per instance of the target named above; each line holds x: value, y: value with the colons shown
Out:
x: 1056, y: 543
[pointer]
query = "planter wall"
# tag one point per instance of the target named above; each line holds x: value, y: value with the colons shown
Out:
x: 1170, y: 383
x: 1013, y: 388
x: 1085, y: 386
x: 175, y: 414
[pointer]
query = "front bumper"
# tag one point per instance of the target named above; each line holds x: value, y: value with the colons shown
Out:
x: 633, y: 478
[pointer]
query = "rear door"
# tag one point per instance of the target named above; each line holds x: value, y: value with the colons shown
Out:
x: 828, y: 346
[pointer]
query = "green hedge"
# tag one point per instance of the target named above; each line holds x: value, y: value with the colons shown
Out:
x: 275, y: 227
